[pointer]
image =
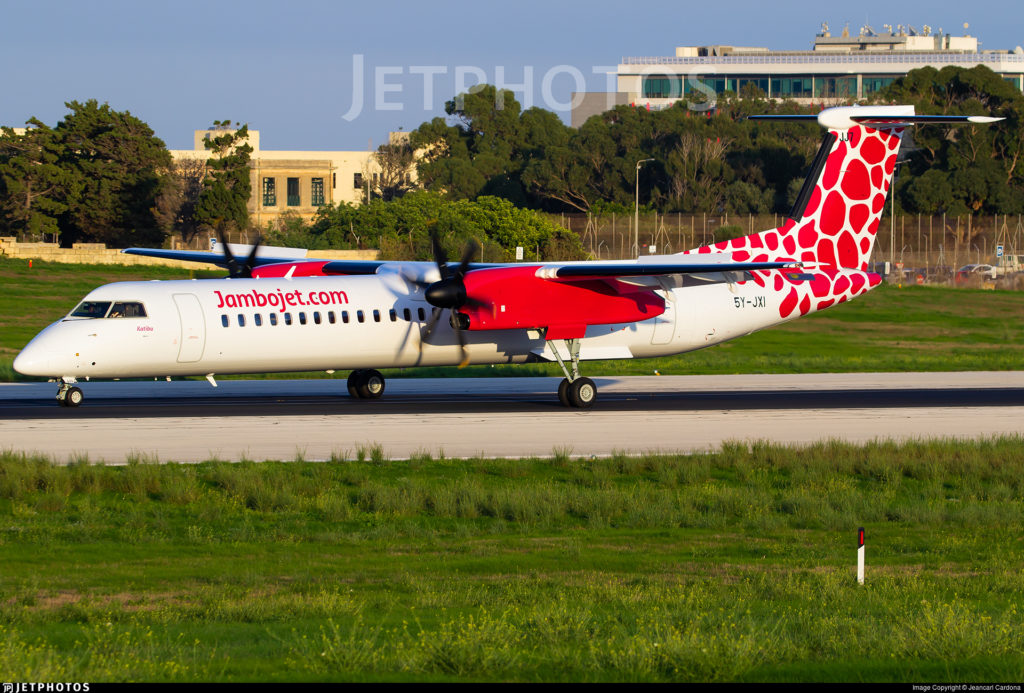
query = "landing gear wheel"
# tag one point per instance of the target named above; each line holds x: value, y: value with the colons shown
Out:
x: 581, y: 393
x: 354, y: 378
x: 372, y: 385
x: 366, y: 384
x: 563, y: 389
x: 73, y: 397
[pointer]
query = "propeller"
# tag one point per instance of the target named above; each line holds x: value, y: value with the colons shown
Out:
x: 448, y: 292
x: 236, y: 270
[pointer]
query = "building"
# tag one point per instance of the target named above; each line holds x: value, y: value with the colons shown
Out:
x: 299, y: 181
x: 838, y: 69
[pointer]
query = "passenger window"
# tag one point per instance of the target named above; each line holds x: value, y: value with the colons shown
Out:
x: 330, y: 316
x: 224, y: 320
x: 258, y: 319
x: 316, y: 317
x: 273, y: 318
x: 302, y: 317
x: 359, y: 316
x: 344, y: 316
x: 407, y: 315
x: 241, y: 320
x: 287, y: 318
x: 393, y: 314
x: 419, y: 311
x: 376, y: 315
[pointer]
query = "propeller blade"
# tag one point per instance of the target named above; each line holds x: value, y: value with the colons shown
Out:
x: 250, y: 262
x: 462, y: 342
x: 440, y: 257
x: 467, y: 256
x: 228, y: 255
x: 435, y: 315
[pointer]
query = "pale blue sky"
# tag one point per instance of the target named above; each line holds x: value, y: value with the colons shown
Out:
x: 286, y: 68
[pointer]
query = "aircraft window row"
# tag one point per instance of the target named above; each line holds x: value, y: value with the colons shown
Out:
x: 318, y: 317
x: 109, y: 309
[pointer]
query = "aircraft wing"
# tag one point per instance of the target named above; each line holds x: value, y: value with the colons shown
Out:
x: 279, y: 261
x: 204, y: 256
x: 286, y: 257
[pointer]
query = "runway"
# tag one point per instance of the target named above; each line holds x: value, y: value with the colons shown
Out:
x: 189, y: 421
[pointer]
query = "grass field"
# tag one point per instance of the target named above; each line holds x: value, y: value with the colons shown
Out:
x: 889, y: 329
x: 734, y: 565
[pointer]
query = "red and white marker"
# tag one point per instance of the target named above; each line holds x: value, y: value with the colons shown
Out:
x: 860, y: 556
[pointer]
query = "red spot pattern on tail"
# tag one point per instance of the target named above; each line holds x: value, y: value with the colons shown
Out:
x: 833, y: 214
x: 856, y: 181
x: 813, y: 202
x: 859, y: 215
x: 807, y: 236
x: 876, y: 176
x: 788, y: 303
x: 873, y: 150
x: 805, y: 305
x: 847, y: 248
x: 837, y: 227
x: 834, y: 166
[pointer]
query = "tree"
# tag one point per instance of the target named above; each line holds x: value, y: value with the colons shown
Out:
x: 402, y: 228
x: 119, y: 165
x: 485, y: 145
x: 395, y: 160
x: 33, y: 184
x: 176, y: 207
x: 223, y: 204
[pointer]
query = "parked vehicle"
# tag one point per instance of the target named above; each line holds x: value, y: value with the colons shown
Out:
x: 975, y: 271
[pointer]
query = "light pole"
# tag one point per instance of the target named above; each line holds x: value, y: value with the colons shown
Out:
x: 636, y: 211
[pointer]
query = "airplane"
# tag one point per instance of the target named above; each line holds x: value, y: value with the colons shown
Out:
x: 281, y: 313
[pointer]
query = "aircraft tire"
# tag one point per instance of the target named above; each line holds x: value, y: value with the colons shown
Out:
x: 582, y: 392
x: 355, y: 378
x: 73, y: 397
x: 563, y: 390
x: 371, y: 385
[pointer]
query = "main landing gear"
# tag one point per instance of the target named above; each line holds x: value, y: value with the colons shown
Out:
x: 574, y: 390
x: 68, y: 395
x: 365, y: 384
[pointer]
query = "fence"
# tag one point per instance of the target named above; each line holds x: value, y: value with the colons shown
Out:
x: 931, y: 243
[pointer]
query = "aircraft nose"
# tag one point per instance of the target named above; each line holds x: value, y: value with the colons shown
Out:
x: 32, y: 361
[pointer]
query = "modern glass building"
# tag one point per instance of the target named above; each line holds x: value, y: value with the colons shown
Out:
x: 838, y: 69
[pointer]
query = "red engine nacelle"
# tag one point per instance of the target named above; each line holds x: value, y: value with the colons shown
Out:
x: 303, y: 268
x: 509, y: 298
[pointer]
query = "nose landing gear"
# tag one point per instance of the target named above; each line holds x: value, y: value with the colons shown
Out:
x: 68, y: 395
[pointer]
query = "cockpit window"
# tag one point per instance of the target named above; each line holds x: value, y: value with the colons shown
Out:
x: 124, y: 309
x: 91, y: 309
x: 109, y: 309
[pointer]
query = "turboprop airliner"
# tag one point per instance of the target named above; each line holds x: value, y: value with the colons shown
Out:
x: 279, y: 313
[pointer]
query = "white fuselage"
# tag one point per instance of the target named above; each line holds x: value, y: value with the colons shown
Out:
x: 201, y: 327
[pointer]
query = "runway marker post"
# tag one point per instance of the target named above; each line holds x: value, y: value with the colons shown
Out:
x: 860, y: 556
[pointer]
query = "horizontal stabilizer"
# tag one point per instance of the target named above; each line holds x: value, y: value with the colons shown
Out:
x: 647, y: 269
x: 846, y: 117
x: 926, y: 119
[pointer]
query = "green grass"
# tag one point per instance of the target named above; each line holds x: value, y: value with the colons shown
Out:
x: 889, y: 329
x: 732, y: 565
